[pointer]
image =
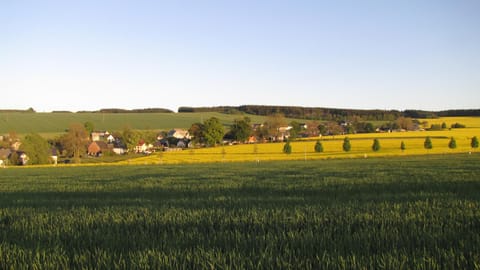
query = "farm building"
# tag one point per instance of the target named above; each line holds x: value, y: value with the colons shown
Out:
x: 96, y: 148
x: 179, y: 134
x: 99, y: 135
x: 143, y: 147
x: 54, y: 155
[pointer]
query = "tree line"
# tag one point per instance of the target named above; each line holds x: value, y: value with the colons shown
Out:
x: 347, y: 146
x: 318, y: 113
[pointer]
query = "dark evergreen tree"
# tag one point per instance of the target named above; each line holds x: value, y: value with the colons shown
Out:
x: 428, y: 143
x: 287, y: 148
x: 318, y: 147
x: 376, y: 145
x: 474, y: 142
x: 403, y: 146
x: 452, y: 144
x: 346, y: 145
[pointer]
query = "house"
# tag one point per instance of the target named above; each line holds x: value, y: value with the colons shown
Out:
x: 16, y: 145
x: 119, y: 150
x: 183, y: 144
x: 143, y: 147
x: 96, y: 148
x: 119, y: 147
x: 283, y: 133
x: 110, y: 138
x: 4, y: 155
x: 22, y: 158
x: 179, y: 134
x: 252, y: 139
x: 160, y: 136
x: 99, y: 135
x: 54, y: 155
x: 256, y: 127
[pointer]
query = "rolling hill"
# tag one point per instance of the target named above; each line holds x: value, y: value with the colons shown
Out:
x: 51, y: 123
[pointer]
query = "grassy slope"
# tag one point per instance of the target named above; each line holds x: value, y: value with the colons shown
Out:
x: 46, y: 123
x: 395, y: 213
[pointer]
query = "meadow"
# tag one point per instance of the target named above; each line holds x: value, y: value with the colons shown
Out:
x: 55, y: 123
x: 417, y: 212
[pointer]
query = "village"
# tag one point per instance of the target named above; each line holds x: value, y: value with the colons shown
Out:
x: 102, y: 142
x: 83, y: 141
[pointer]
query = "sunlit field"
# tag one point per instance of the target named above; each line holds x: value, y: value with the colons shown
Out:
x: 418, y: 212
x: 304, y: 149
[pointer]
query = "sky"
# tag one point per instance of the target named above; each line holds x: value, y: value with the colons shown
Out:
x: 370, y: 54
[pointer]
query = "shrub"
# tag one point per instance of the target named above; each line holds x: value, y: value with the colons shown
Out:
x: 318, y: 147
x: 452, y: 144
x: 428, y: 143
x: 346, y: 145
x: 458, y: 125
x: 435, y: 127
x: 376, y: 145
x: 474, y: 142
x: 287, y: 148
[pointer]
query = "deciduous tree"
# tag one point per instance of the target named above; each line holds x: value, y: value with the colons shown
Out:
x: 76, y: 140
x: 295, y: 130
x: 89, y: 127
x: 241, y: 129
x: 213, y: 131
x: 36, y: 148
x: 322, y: 129
x: 196, y: 131
x: 130, y: 137
x: 273, y: 124
x: 405, y: 123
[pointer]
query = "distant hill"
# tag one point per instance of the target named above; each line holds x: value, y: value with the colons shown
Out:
x: 317, y: 113
x: 58, y: 122
x: 116, y: 110
x: 25, y: 121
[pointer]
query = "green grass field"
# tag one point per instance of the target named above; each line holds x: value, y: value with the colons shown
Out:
x: 54, y: 123
x: 381, y: 213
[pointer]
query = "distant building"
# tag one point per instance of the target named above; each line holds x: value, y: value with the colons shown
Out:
x: 99, y: 135
x: 54, y: 155
x: 179, y: 134
x: 143, y: 147
x: 96, y: 148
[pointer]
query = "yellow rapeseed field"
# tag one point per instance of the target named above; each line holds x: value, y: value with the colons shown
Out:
x: 304, y: 150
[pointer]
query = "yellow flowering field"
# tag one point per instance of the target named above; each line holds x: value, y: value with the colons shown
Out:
x: 361, y: 146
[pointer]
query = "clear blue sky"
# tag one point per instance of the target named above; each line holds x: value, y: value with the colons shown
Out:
x: 92, y: 54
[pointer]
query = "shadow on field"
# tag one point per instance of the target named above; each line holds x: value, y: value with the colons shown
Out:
x: 246, y: 196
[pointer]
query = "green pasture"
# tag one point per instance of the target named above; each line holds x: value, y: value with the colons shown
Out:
x: 418, y: 212
x: 51, y: 123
